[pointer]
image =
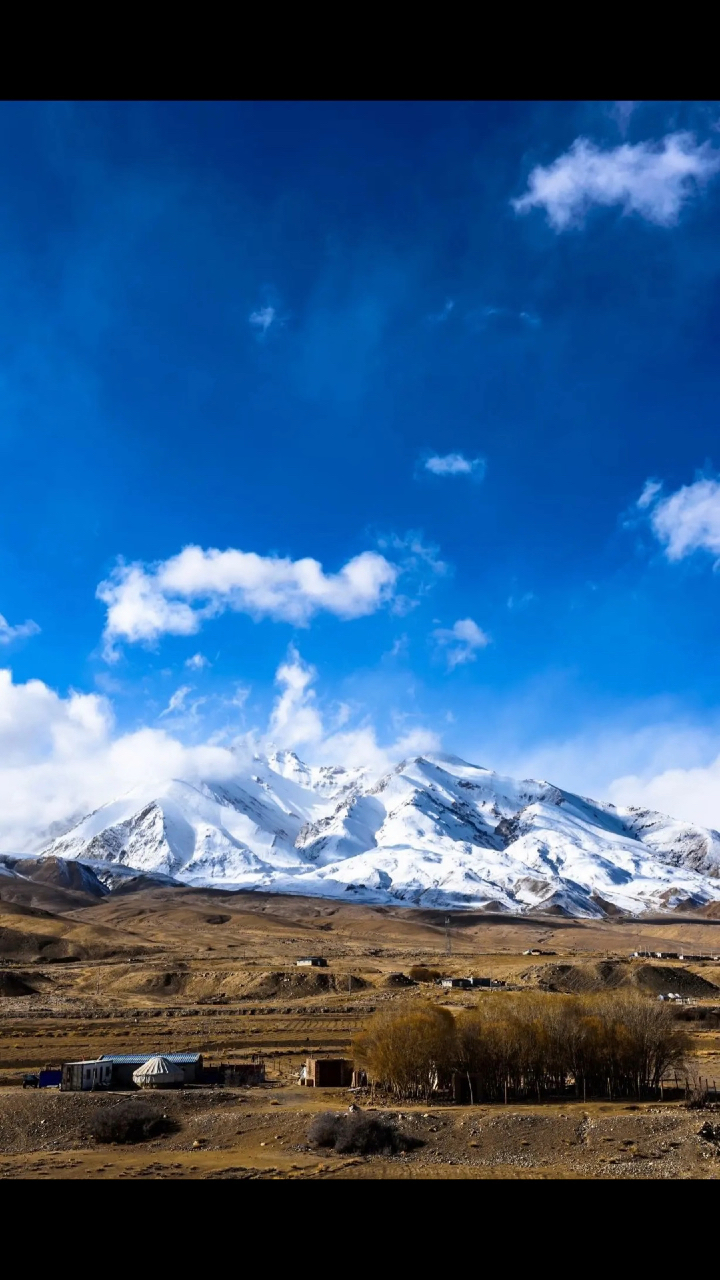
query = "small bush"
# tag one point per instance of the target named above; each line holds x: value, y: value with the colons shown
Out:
x: 358, y: 1133
x: 421, y: 973
x: 129, y: 1122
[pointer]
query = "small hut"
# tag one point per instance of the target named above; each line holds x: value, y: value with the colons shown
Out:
x: 158, y: 1073
x: 327, y: 1073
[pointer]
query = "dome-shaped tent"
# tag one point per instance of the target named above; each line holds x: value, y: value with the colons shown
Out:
x: 158, y: 1073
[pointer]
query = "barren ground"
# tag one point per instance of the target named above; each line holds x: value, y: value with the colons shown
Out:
x: 161, y: 970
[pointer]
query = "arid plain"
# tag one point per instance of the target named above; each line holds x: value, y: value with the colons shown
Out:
x: 170, y: 969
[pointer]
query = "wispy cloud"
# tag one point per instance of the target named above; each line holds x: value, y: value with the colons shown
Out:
x: 416, y: 554
x: 262, y: 319
x: 240, y: 696
x: 520, y: 602
x: 19, y: 632
x: 651, y: 489
x: 651, y: 179
x: 399, y: 647
x: 504, y: 313
x: 461, y: 641
x: 439, y: 317
x: 455, y: 464
x: 197, y: 662
x: 177, y: 701
x: 622, y: 113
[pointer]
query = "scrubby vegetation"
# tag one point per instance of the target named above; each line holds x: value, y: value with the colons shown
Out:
x: 357, y: 1132
x: 613, y: 1045
x: 129, y: 1122
x: 421, y: 973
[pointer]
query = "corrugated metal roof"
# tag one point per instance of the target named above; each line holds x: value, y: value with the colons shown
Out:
x: 137, y: 1059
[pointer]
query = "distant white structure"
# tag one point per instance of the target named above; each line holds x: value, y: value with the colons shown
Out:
x: 158, y: 1073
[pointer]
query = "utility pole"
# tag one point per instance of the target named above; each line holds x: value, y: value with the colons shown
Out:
x: 448, y: 940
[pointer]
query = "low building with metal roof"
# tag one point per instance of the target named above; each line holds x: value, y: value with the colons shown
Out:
x: 125, y: 1064
x: 88, y: 1073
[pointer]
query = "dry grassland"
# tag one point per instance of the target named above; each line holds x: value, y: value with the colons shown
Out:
x: 170, y: 969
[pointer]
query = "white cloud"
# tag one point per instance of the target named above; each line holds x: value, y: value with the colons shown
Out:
x: 650, y: 179
x: 689, y: 520
x: 262, y: 319
x: 19, y: 632
x: 646, y: 755
x: 177, y: 595
x: 60, y: 758
x: 197, y: 662
x: 177, y: 701
x: 296, y: 722
x: 693, y: 795
x: 295, y: 718
x: 455, y: 464
x: 651, y: 489
x: 360, y: 748
x: 461, y: 641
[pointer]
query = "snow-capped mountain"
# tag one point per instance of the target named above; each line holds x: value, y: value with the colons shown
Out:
x: 434, y: 832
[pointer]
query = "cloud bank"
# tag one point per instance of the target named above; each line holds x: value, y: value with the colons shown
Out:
x: 62, y: 757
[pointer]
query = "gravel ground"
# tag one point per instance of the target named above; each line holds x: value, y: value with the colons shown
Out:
x: 238, y: 1133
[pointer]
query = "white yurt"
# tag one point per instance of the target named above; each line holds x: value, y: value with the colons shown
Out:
x: 158, y: 1073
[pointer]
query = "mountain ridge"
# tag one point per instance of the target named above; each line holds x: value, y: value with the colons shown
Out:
x: 433, y: 831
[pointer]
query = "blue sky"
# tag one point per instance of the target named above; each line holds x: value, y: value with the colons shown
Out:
x: 444, y: 345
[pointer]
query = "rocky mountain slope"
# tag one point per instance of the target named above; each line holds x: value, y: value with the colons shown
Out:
x: 435, y: 831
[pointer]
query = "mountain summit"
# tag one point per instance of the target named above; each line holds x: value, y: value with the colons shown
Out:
x: 434, y: 832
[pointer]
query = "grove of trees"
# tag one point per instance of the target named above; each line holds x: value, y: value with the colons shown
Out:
x: 526, y: 1045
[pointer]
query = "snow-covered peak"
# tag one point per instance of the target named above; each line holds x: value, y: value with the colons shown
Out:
x: 435, y: 830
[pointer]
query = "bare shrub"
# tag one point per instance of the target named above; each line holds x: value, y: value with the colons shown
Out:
x: 324, y: 1129
x: 358, y: 1132
x: 421, y: 973
x: 129, y: 1122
